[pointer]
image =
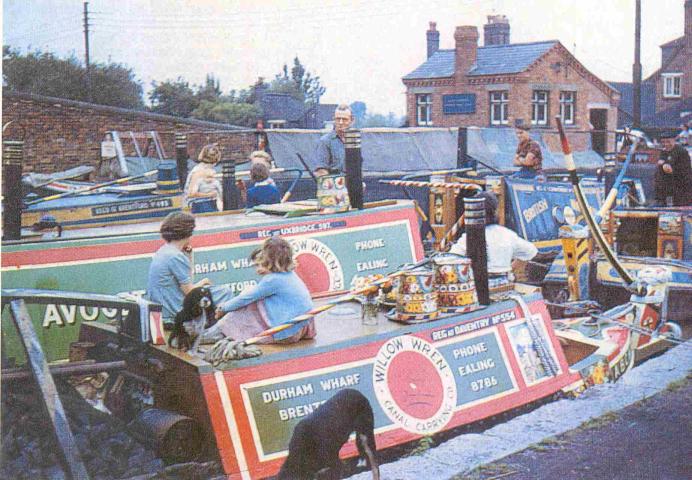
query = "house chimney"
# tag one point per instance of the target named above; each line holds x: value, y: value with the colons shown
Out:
x: 433, y: 39
x: 465, y: 47
x: 496, y: 31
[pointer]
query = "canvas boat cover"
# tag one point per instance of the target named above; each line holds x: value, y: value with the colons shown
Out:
x: 401, y: 151
x: 36, y: 180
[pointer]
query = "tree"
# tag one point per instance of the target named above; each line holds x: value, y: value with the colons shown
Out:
x: 211, y: 90
x: 300, y: 84
x: 173, y: 98
x: 224, y: 111
x: 379, y: 120
x: 45, y: 74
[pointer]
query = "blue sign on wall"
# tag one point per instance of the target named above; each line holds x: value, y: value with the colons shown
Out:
x: 459, y: 103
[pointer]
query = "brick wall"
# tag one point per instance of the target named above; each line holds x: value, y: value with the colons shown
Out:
x: 61, y: 134
x: 679, y: 64
x: 590, y: 93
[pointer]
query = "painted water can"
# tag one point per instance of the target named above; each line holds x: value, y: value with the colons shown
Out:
x: 332, y: 195
x: 167, y: 178
x: 454, y: 284
x: 416, y: 299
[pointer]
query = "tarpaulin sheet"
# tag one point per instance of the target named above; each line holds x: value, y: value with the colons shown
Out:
x: 418, y: 149
x: 400, y: 150
x: 496, y: 147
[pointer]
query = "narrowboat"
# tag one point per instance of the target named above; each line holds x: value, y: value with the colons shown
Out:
x: 331, y: 248
x: 420, y: 379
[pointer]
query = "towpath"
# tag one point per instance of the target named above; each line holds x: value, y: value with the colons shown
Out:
x: 636, y: 428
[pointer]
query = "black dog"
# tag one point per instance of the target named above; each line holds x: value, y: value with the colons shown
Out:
x: 314, y: 448
x: 190, y: 322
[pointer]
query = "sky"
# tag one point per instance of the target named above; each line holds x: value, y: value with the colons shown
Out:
x: 360, y: 49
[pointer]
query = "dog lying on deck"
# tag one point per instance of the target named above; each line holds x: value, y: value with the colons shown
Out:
x: 190, y: 322
x: 313, y: 451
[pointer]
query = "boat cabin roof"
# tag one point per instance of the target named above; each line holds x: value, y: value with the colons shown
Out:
x: 341, y: 327
x: 215, y: 221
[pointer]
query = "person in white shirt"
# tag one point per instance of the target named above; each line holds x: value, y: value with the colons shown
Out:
x: 503, y: 244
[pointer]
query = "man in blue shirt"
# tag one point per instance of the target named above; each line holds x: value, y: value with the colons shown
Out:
x: 330, y: 152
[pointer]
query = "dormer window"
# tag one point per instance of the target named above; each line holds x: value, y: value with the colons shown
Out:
x: 671, y: 84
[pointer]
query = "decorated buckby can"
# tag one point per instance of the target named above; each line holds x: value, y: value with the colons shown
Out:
x: 416, y: 298
x: 454, y: 284
x: 332, y: 195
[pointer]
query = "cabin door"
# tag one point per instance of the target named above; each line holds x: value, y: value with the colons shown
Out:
x: 599, y: 120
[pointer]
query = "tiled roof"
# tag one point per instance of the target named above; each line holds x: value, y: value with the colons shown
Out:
x: 626, y: 89
x: 281, y: 106
x: 491, y: 60
x: 439, y: 65
x: 674, y: 43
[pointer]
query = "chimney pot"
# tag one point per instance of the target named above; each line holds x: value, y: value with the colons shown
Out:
x: 496, y: 31
x: 432, y: 37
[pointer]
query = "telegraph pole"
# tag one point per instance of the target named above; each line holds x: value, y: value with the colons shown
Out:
x: 86, y: 50
x: 637, y: 68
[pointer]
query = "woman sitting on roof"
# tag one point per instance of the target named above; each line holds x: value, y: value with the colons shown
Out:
x: 279, y: 296
x: 202, y: 184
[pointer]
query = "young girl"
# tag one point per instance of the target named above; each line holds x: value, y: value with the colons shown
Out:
x: 279, y: 296
x: 201, y: 182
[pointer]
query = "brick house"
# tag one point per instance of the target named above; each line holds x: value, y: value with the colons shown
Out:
x: 500, y: 84
x: 673, y: 81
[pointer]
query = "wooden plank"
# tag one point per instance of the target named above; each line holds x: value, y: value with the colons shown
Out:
x: 39, y: 367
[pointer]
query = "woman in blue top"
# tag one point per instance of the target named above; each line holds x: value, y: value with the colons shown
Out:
x: 279, y: 296
x: 170, y: 272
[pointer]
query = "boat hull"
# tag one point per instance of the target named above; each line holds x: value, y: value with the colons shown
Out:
x: 419, y: 380
x: 330, y: 249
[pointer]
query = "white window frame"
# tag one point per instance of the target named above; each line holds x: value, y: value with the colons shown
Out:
x: 424, y: 110
x: 672, y: 85
x: 539, y: 107
x: 568, y: 102
x: 499, y: 99
x: 276, y: 124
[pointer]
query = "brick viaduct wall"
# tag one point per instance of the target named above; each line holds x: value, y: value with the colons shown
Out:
x: 59, y: 134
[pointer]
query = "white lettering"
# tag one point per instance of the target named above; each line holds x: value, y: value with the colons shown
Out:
x: 287, y: 393
x: 52, y: 316
x: 470, y: 350
x: 535, y: 209
x: 372, y: 265
x: 370, y: 244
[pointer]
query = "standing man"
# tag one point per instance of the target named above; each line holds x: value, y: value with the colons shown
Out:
x: 330, y: 153
x: 528, y: 155
x: 673, y: 181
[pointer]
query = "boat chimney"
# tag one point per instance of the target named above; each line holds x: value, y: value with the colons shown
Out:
x: 476, y: 246
x: 181, y: 158
x: 354, y: 168
x: 230, y: 190
x: 12, y: 155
